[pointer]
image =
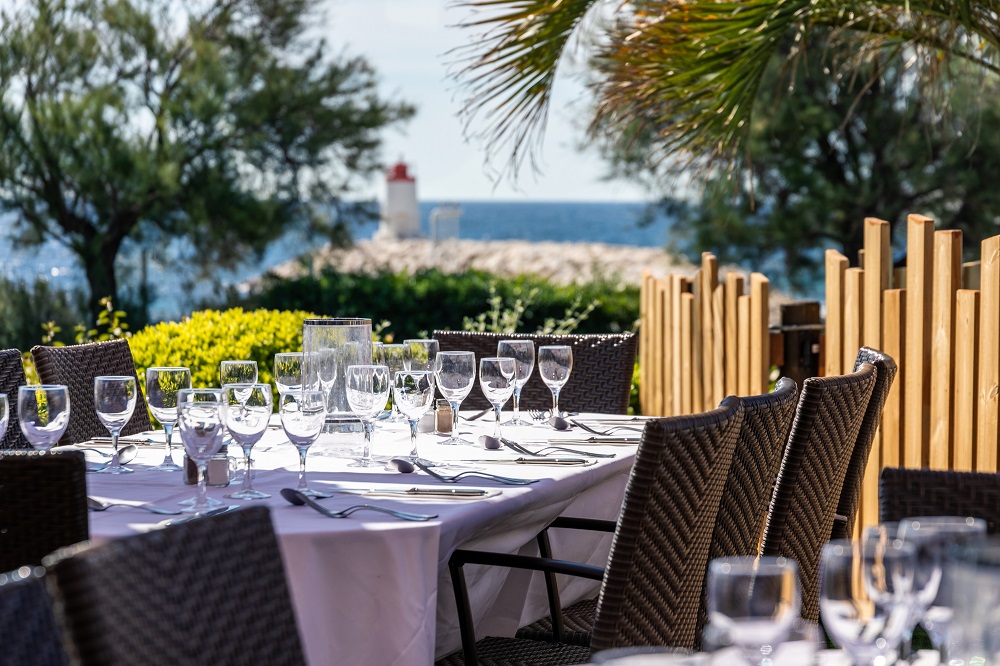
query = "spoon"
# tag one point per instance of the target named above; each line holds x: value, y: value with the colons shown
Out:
x: 298, y: 499
x: 97, y: 505
x: 490, y: 442
x: 399, y: 464
x: 126, y: 454
x: 559, y: 423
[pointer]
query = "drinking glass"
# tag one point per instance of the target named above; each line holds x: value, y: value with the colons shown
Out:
x: 4, y: 414
x: 413, y: 393
x: 325, y: 362
x: 238, y: 372
x: 397, y: 358
x: 201, y: 422
x: 43, y: 413
x: 367, y: 390
x: 496, y: 378
x: 455, y: 372
x: 288, y: 371
x: 523, y: 353
x: 162, y: 385
x: 865, y: 589
x: 114, y: 400
x: 555, y: 362
x: 246, y: 424
x: 423, y: 351
x: 753, y: 603
x: 303, y: 414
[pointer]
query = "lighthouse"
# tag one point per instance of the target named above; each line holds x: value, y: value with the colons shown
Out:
x: 400, y: 216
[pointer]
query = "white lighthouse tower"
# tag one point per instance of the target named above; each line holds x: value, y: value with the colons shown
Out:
x: 400, y: 216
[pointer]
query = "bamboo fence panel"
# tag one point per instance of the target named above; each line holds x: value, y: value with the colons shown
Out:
x: 836, y: 269
x: 966, y: 367
x: 989, y: 357
x: 734, y: 288
x: 919, y: 274
x: 947, y: 280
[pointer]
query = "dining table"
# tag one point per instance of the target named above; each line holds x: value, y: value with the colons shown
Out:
x: 375, y: 589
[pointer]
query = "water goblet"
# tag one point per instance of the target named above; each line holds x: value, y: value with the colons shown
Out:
x: 4, y: 414
x: 238, y: 372
x: 162, y: 385
x: 114, y: 400
x: 423, y: 351
x: 413, y: 392
x: 43, y: 414
x: 397, y: 358
x: 555, y: 362
x: 288, y: 371
x: 523, y: 353
x: 753, y: 603
x: 496, y: 378
x: 367, y: 390
x: 325, y: 362
x: 246, y: 424
x: 201, y: 422
x: 455, y: 372
x: 302, y: 416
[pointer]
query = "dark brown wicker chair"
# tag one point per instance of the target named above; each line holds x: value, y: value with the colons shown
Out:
x: 44, y: 505
x: 12, y: 378
x: 907, y: 493
x: 207, y: 591
x: 76, y: 367
x: 652, y: 586
x: 29, y: 633
x: 800, y: 520
x: 601, y: 379
x: 847, y: 508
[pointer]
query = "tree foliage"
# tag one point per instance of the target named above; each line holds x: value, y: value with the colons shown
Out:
x: 216, y: 120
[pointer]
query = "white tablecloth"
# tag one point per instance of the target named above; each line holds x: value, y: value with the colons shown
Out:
x: 373, y: 589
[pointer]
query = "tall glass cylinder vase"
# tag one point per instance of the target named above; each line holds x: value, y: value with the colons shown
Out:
x: 329, y: 345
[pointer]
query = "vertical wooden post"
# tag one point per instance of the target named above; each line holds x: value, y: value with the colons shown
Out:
x: 697, y: 373
x: 966, y: 380
x: 677, y: 287
x: 836, y: 268
x: 989, y: 357
x: 657, y: 353
x: 671, y: 331
x: 878, y: 268
x: 709, y: 280
x: 687, y: 352
x: 646, y: 337
x: 743, y: 305
x: 919, y: 278
x: 853, y: 315
x: 947, y: 280
x: 760, y: 337
x: 894, y: 344
x: 719, y: 345
x: 734, y: 289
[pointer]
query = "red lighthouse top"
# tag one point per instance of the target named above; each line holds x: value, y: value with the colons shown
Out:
x: 397, y: 173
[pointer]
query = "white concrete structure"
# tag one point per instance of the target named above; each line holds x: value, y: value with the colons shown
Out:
x: 400, y: 216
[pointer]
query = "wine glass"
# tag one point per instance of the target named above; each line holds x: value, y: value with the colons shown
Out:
x: 396, y: 357
x: 114, y: 400
x: 288, y: 371
x: 555, y: 362
x: 201, y: 421
x: 238, y: 372
x: 455, y: 372
x: 325, y: 361
x: 162, y: 385
x: 246, y: 424
x: 413, y: 393
x: 753, y: 603
x: 423, y: 351
x: 43, y: 413
x: 367, y: 390
x: 4, y: 414
x: 303, y: 414
x: 496, y: 378
x: 865, y: 589
x: 523, y: 353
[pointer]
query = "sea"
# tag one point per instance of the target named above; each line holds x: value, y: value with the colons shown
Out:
x: 176, y: 291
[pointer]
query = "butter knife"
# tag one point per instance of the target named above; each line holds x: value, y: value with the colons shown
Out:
x: 417, y: 492
x: 534, y: 461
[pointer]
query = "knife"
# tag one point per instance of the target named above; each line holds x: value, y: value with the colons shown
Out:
x: 534, y: 461
x: 596, y: 440
x: 417, y: 492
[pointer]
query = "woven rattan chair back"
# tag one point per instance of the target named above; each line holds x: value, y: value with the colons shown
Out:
x: 207, y: 591
x: 827, y: 420
x: 907, y: 493
x: 847, y: 508
x: 76, y: 367
x: 43, y: 505
x: 29, y: 633
x: 652, y: 586
x: 12, y: 378
x: 601, y: 380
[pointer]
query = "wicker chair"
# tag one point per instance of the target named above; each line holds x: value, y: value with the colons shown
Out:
x: 12, y: 378
x: 847, y: 508
x: 44, y: 500
x: 28, y: 629
x: 222, y: 600
x: 76, y: 367
x: 907, y: 493
x: 601, y: 379
x: 800, y: 520
x: 652, y: 586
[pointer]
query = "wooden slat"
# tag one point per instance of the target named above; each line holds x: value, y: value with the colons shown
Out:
x: 697, y: 374
x: 971, y: 274
x: 760, y: 338
x: 947, y: 280
x: 853, y: 315
x: 966, y: 380
x: 878, y: 267
x: 989, y: 357
x: 719, y: 345
x: 836, y: 268
x: 687, y: 355
x: 743, y: 328
x: 919, y: 277
x: 899, y: 277
x: 660, y: 326
x: 894, y: 344
x: 678, y: 285
x: 671, y: 330
x: 646, y: 338
x: 709, y: 280
x: 734, y: 289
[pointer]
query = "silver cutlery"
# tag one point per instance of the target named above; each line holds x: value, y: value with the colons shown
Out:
x: 295, y: 497
x: 523, y: 450
x: 534, y: 461
x: 606, y: 432
x: 481, y: 475
x: 95, y: 504
x: 600, y: 440
x: 417, y: 492
x: 544, y: 415
x: 195, y: 516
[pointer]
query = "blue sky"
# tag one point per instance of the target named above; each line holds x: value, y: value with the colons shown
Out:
x: 407, y: 41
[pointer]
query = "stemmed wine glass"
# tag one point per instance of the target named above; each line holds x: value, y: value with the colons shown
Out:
x: 43, y: 413
x: 523, y: 353
x: 423, y: 351
x: 4, y: 414
x: 325, y: 362
x: 162, y: 385
x: 753, y: 603
x: 201, y: 421
x: 114, y: 400
x: 367, y: 390
x: 303, y: 414
x: 238, y: 372
x: 555, y: 362
x: 288, y: 371
x: 246, y: 424
x: 413, y: 393
x: 455, y: 372
x: 496, y: 378
x: 397, y: 358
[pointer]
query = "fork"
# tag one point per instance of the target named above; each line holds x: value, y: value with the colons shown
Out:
x: 607, y: 432
x: 528, y: 452
x: 483, y: 475
x: 95, y: 504
x: 537, y: 415
x: 297, y: 498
